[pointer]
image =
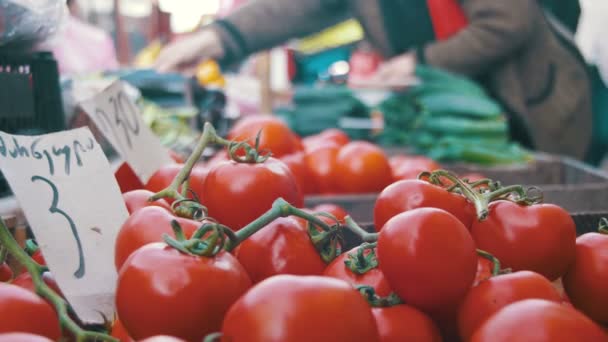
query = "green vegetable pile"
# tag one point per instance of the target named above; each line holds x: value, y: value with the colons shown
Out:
x: 449, y: 118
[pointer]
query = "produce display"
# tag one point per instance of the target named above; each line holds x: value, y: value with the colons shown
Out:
x: 224, y: 250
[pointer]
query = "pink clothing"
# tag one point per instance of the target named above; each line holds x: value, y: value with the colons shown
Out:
x: 80, y: 47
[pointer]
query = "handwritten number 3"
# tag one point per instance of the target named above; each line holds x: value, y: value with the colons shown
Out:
x: 54, y: 210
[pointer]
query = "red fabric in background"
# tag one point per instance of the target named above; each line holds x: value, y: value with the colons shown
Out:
x: 447, y: 17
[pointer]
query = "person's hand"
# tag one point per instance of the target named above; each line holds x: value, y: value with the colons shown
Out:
x: 398, y: 72
x: 185, y: 54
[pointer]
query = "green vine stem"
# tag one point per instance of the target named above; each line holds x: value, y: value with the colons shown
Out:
x: 3, y: 254
x: 496, y: 270
x: 61, y: 306
x: 603, y: 226
x: 376, y: 301
x: 360, y: 232
x: 359, y: 262
x: 481, y: 199
x: 213, y: 337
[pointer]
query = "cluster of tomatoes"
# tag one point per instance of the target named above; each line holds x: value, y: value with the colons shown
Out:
x: 431, y: 271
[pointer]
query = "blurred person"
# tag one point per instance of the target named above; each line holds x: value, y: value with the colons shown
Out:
x: 80, y: 47
x: 522, y: 58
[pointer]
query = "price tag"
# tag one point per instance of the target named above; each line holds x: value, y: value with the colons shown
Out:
x: 120, y: 121
x: 74, y: 207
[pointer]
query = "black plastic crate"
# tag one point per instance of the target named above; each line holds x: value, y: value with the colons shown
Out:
x: 30, y: 96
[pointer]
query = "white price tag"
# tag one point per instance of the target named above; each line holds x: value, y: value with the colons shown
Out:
x: 74, y: 207
x: 120, y: 121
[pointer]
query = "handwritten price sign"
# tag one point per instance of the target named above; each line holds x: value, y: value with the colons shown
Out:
x: 73, y: 204
x: 119, y: 119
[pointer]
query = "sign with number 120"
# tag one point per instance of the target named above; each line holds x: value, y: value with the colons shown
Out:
x: 66, y: 189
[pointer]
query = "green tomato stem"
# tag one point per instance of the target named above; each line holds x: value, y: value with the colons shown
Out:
x: 603, y: 226
x: 376, y: 301
x: 496, y: 270
x: 360, y: 232
x: 61, y: 306
x: 359, y: 263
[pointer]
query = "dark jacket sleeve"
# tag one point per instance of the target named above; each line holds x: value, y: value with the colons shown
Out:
x: 262, y: 24
x: 497, y: 29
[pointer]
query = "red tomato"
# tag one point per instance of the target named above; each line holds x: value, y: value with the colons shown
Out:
x: 176, y: 157
x: 428, y: 257
x: 24, y: 280
x: 409, y: 167
x: 119, y: 332
x: 537, y: 320
x: 333, y: 209
x: 411, y: 194
x: 38, y: 257
x: 373, y: 277
x: 23, y: 311
x: 497, y: 292
x: 298, y: 167
x: 282, y: 247
x: 238, y: 193
x: 161, y: 291
x: 137, y: 199
x: 218, y: 157
x: 162, y: 338
x: 6, y: 273
x: 539, y: 238
x: 321, y: 161
x: 404, y: 323
x: 275, y: 135
x: 333, y: 135
x: 300, y: 308
x: 22, y: 337
x: 145, y: 226
x: 586, y: 282
x: 362, y: 167
x: 127, y: 179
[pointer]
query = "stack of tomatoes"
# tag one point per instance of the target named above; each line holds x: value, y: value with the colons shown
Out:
x: 432, y: 270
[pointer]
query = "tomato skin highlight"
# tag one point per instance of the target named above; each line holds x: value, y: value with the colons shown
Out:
x: 275, y: 135
x: 406, y: 195
x: 404, y: 323
x: 333, y: 209
x: 428, y: 257
x: 238, y: 193
x: 161, y: 291
x: 282, y: 247
x: 23, y: 311
x: 586, y: 281
x: 497, y: 292
x: 537, y: 320
x: 137, y: 199
x: 301, y: 308
x: 22, y: 337
x: 545, y: 232
x: 362, y: 167
x: 147, y: 225
x: 374, y: 277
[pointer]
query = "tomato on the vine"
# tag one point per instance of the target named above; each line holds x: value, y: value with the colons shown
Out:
x: 537, y: 320
x: 539, y: 238
x: 403, y: 323
x: 275, y: 135
x: 238, y: 193
x: 409, y: 167
x: 362, y: 167
x: 282, y: 247
x: 586, y: 281
x: 497, y: 292
x: 297, y: 165
x: 145, y: 226
x: 300, y: 308
x: 353, y: 272
x: 428, y: 257
x: 137, y: 199
x: 321, y: 161
x: 22, y: 337
x: 332, y: 135
x: 162, y: 178
x: 484, y: 270
x: 411, y: 194
x: 23, y: 311
x: 333, y: 209
x: 162, y: 291
x: 24, y: 280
